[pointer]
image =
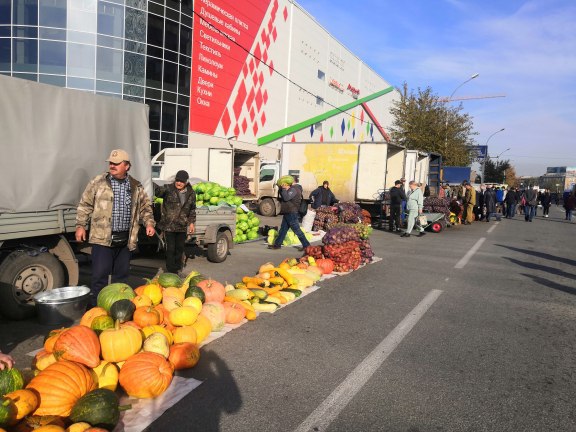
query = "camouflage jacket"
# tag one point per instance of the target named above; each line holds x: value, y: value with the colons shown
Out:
x: 95, y: 210
x: 176, y: 217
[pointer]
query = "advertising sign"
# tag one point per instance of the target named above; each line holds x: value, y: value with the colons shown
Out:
x: 478, y: 153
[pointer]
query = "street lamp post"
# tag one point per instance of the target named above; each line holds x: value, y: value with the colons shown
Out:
x: 486, y: 157
x: 449, y: 100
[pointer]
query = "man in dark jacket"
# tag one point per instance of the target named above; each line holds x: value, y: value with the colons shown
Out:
x: 323, y: 196
x: 290, y: 197
x: 490, y: 203
x: 178, y: 218
x: 511, y: 203
x: 546, y: 201
x: 397, y: 195
x: 531, y: 198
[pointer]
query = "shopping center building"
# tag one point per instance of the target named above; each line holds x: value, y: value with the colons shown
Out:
x: 262, y: 71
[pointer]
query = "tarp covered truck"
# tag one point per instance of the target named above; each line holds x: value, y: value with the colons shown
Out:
x: 53, y: 141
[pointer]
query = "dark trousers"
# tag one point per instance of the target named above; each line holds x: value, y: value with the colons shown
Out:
x: 546, y: 210
x: 108, y: 261
x: 529, y: 212
x: 394, y: 221
x: 174, y: 250
x: 290, y: 220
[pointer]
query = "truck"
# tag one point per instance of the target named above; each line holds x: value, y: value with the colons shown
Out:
x: 455, y: 175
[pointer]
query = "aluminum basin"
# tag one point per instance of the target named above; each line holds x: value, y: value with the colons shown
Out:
x: 62, y: 306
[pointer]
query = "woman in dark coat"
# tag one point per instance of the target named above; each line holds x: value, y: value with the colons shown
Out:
x: 322, y: 196
x: 490, y: 202
x: 546, y: 201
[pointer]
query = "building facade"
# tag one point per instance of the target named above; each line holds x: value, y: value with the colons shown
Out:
x: 559, y: 178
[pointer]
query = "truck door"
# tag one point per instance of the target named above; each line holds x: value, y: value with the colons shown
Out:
x: 220, y: 166
x: 371, y: 174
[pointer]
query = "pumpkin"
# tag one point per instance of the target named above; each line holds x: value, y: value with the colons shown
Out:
x: 79, y: 344
x: 185, y: 334
x: 213, y: 290
x: 50, y: 428
x: 106, y: 374
x: 101, y: 323
x: 193, y: 302
x: 43, y: 359
x: 167, y: 280
x: 35, y: 422
x: 90, y: 314
x: 215, y: 313
x: 266, y: 267
x: 314, y: 272
x: 146, y: 375
x: 60, y: 385
x: 233, y: 313
x: 148, y: 330
x: 183, y: 316
x: 203, y: 327
x: 51, y: 339
x: 122, y: 310
x: 147, y: 315
x: 119, y: 343
x: 10, y: 380
x: 26, y: 402
x: 142, y: 300
x: 195, y: 291
x: 184, y: 355
x: 172, y: 298
x: 154, y: 291
x: 100, y: 408
x: 78, y: 427
x: 112, y: 293
x: 160, y: 308
x: 157, y: 343
x: 8, y: 412
x: 326, y: 265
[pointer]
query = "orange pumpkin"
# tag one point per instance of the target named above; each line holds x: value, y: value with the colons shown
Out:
x: 60, y: 385
x: 185, y: 334
x: 164, y: 312
x: 142, y: 300
x: 26, y: 402
x: 326, y: 265
x: 172, y: 298
x: 119, y: 343
x: 139, y: 290
x: 51, y: 339
x: 147, y: 315
x: 79, y: 344
x: 184, y: 355
x: 213, y: 290
x: 234, y: 313
x: 146, y: 375
x: 90, y: 314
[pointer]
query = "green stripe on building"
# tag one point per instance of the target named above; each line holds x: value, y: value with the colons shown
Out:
x: 302, y: 125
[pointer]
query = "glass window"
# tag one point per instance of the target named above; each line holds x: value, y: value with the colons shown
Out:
x: 134, y: 68
x: 133, y: 99
x: 110, y: 19
x: 5, y: 12
x: 5, y: 31
x: 26, y: 76
x: 132, y: 90
x: 154, y: 113
x: 135, y: 25
x: 168, y: 117
x: 138, y: 4
x: 114, y: 95
x: 52, y: 57
x: 25, y: 12
x: 82, y: 20
x: 267, y: 174
x: 153, y: 73
x: 25, y: 32
x: 155, y: 30
x: 25, y: 55
x: 172, y: 14
x: 170, y: 76
x: 185, y: 40
x: 109, y: 64
x: 81, y: 60
x: 154, y: 51
x: 53, y: 13
x: 184, y: 81
x: 82, y: 37
x: 168, y: 136
x: 153, y: 93
x: 156, y: 8
x: 169, y: 96
x: 182, y: 124
x: 171, y: 56
x: 155, y: 135
x: 182, y: 139
x: 110, y: 42
x: 184, y: 100
x: 187, y: 6
x: 46, y: 33
x: 108, y: 86
x: 81, y: 83
x: 56, y: 80
x: 154, y: 147
x: 5, y: 54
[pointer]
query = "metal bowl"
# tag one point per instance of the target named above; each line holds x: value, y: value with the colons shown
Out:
x: 62, y: 306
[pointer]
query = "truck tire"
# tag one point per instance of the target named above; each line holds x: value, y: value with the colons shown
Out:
x: 218, y: 251
x: 267, y: 207
x: 21, y: 277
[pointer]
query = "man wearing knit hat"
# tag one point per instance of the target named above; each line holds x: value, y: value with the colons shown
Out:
x: 178, y: 218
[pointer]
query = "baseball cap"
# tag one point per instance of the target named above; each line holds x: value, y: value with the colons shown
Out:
x: 182, y: 176
x: 117, y: 156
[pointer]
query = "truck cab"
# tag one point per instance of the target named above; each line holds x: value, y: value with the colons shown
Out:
x: 267, y: 194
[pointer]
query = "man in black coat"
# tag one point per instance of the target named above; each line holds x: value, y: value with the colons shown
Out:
x: 490, y: 203
x: 397, y: 195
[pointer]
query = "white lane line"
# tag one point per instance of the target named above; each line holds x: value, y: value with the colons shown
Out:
x: 492, y: 228
x: 460, y: 264
x: 330, y: 408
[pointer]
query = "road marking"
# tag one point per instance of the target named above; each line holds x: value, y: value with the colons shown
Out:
x: 493, y: 227
x: 330, y: 408
x: 460, y: 264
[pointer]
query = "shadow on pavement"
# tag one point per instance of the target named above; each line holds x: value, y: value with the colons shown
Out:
x: 550, y: 284
x: 543, y: 268
x: 541, y: 255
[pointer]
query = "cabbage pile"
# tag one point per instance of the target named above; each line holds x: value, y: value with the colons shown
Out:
x: 212, y: 194
x: 247, y: 225
x: 290, y: 239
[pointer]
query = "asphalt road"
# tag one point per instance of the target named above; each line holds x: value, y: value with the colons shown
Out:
x: 493, y: 350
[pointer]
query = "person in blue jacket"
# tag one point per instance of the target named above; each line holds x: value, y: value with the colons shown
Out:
x: 322, y: 196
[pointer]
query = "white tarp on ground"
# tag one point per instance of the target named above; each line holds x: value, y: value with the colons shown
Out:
x: 54, y: 140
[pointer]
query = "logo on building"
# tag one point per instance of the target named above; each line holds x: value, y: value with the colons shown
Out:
x: 353, y: 91
x: 336, y: 85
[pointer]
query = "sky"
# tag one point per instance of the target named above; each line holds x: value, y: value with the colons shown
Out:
x: 525, y: 50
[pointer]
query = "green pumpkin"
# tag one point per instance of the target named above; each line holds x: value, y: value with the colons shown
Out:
x: 100, y: 408
x: 194, y: 291
x: 10, y: 380
x: 122, y: 310
x: 101, y: 323
x: 8, y: 412
x: 167, y: 280
x: 112, y: 293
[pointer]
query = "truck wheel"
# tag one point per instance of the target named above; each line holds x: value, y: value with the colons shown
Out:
x: 218, y: 251
x: 21, y: 277
x: 267, y: 207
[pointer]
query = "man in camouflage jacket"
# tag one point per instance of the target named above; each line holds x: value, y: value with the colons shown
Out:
x: 113, y: 205
x: 178, y: 218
